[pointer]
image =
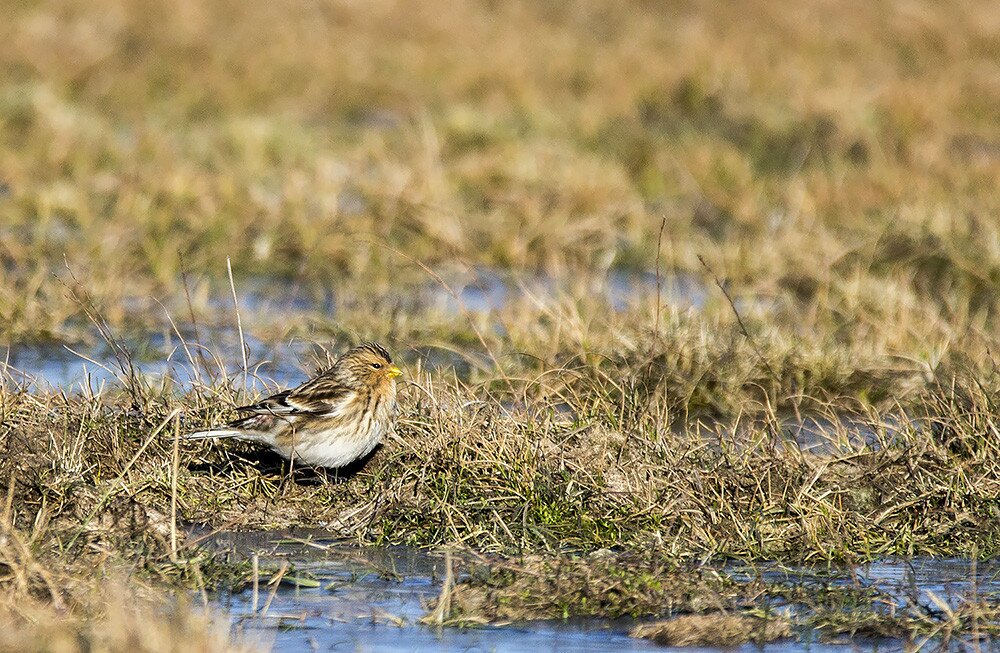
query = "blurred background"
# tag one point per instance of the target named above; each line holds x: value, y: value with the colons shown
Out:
x: 836, y: 163
x: 699, y: 279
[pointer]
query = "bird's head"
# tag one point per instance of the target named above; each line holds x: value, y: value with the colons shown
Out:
x: 368, y: 366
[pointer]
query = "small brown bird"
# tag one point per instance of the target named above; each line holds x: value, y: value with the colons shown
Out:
x: 330, y: 420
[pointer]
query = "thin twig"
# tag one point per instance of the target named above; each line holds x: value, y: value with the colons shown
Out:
x: 130, y: 377
x: 656, y: 328
x: 194, y: 320
x: 175, y: 467
x: 461, y: 305
x: 184, y: 344
x: 274, y: 582
x: 239, y: 322
x: 256, y: 584
x: 443, y: 608
x: 739, y: 320
x: 90, y: 360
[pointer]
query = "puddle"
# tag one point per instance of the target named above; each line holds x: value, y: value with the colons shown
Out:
x: 827, y: 433
x: 382, y: 616
x: 371, y: 599
x: 833, y: 434
x: 906, y: 581
x: 485, y: 290
x: 675, y: 289
x: 162, y: 358
x: 160, y: 355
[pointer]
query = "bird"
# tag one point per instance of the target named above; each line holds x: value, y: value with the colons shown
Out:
x: 333, y: 419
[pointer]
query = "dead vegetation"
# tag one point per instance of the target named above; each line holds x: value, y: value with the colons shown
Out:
x: 520, y: 467
x: 819, y: 180
x: 470, y: 466
x: 55, y: 602
x: 715, y: 630
x: 697, y: 605
x: 843, y: 161
x: 602, y: 584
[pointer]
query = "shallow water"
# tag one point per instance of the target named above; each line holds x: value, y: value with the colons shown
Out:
x: 485, y: 290
x: 158, y: 357
x: 828, y: 433
x: 372, y: 600
x: 216, y: 351
x: 907, y: 581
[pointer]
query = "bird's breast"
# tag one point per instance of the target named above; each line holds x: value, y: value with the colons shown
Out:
x: 332, y: 441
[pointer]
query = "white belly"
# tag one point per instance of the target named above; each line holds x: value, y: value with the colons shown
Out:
x: 332, y: 451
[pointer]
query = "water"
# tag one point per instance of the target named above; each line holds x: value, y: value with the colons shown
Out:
x: 372, y: 617
x: 482, y: 290
x: 826, y: 433
x: 373, y: 599
x: 904, y: 581
x: 830, y: 433
x: 161, y: 356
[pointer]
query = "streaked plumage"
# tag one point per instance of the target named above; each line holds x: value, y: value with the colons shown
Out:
x: 330, y: 420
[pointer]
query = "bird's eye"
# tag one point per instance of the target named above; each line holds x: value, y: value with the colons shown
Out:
x: 377, y: 366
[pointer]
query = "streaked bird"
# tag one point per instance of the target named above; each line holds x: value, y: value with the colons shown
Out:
x: 332, y: 419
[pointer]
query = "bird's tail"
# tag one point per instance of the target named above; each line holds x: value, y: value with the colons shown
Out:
x: 229, y: 432
x: 213, y: 433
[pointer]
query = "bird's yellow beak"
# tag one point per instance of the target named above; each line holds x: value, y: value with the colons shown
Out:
x: 393, y: 372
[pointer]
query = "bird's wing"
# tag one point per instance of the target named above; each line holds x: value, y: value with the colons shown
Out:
x: 317, y: 396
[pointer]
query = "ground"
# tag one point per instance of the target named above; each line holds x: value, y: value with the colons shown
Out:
x: 800, y: 202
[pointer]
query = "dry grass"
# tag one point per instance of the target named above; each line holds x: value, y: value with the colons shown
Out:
x: 835, y: 167
x: 602, y: 584
x: 697, y: 605
x: 598, y: 452
x: 841, y: 159
x: 112, y: 623
x: 581, y: 458
x: 715, y: 630
x: 498, y: 468
x: 50, y: 602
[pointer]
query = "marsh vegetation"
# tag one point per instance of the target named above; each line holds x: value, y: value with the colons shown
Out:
x: 706, y: 282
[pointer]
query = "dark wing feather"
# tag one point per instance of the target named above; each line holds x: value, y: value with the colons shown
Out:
x: 316, y: 396
x: 276, y: 404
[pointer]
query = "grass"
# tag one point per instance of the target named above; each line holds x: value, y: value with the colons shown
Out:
x: 603, y: 584
x: 91, y: 479
x: 821, y: 178
x: 597, y: 452
x: 718, y: 630
x: 846, y: 170
x: 468, y: 465
x: 53, y: 602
